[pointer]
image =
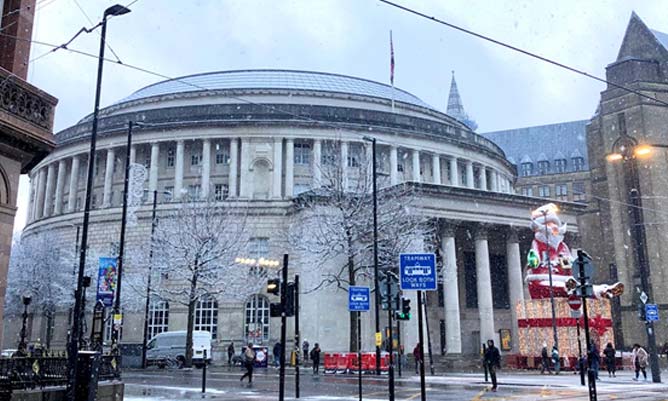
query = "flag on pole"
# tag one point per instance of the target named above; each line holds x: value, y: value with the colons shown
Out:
x: 391, y: 60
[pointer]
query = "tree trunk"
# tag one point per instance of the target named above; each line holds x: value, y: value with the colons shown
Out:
x: 192, y: 303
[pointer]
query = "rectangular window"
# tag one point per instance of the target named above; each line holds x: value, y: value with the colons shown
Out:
x: 561, y: 192
x: 526, y: 169
x: 579, y: 194
x: 543, y: 167
x: 258, y: 247
x: 222, y: 154
x: 302, y: 153
x: 221, y: 191
x: 193, y: 191
x: 544, y: 191
x: 527, y: 191
x: 578, y: 163
x: 560, y: 166
x: 170, y: 157
x: 195, y: 159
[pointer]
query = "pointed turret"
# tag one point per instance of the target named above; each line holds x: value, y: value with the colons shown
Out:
x: 455, y: 107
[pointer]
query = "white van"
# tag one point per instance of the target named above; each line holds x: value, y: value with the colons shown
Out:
x: 169, y: 348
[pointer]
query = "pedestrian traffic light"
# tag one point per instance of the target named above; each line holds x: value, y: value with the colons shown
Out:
x: 274, y: 286
x: 275, y: 310
x: 290, y: 300
x: 405, y: 312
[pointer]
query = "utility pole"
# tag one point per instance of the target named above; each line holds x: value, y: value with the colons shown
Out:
x: 297, y: 359
x: 284, y: 290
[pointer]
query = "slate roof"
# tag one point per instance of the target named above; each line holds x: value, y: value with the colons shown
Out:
x: 276, y: 79
x: 553, y: 140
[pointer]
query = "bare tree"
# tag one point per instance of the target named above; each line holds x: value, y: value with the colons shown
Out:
x: 194, y: 251
x: 334, y: 223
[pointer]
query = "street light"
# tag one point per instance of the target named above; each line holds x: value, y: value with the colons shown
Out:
x: 546, y: 260
x: 114, y: 10
x: 626, y: 150
x: 22, y: 348
x: 375, y: 252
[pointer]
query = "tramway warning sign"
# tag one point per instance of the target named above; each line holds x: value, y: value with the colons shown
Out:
x: 417, y: 271
x: 358, y: 299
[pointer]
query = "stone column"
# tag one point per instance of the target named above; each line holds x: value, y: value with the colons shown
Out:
x: 155, y: 166
x: 483, y: 178
x: 394, y: 173
x: 484, y: 285
x: 48, y: 194
x: 494, y: 183
x: 317, y: 163
x: 60, y: 180
x: 277, y: 176
x: 289, y: 167
x: 453, y: 340
x: 515, y: 283
x: 31, y: 198
x: 74, y: 185
x: 244, y: 178
x: 344, y: 165
x: 133, y: 154
x: 416, y: 165
x: 41, y: 182
x: 206, y: 168
x: 234, y: 167
x: 470, y: 180
x: 108, y: 177
x: 454, y: 172
x: 178, y: 170
x: 436, y: 169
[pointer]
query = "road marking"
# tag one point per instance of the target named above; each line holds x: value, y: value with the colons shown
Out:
x: 478, y: 396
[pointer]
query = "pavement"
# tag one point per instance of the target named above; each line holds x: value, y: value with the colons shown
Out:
x: 223, y: 384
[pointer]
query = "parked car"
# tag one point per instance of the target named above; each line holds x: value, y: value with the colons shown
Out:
x: 8, y: 353
x: 169, y: 348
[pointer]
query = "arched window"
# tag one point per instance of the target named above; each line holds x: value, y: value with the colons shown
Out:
x: 206, y: 315
x: 158, y: 317
x: 256, y: 325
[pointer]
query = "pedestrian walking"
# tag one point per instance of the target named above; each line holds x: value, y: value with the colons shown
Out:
x: 315, y: 357
x: 305, y: 346
x: 640, y: 358
x: 545, y: 361
x: 610, y: 354
x: 492, y: 360
x: 277, y: 354
x: 249, y: 363
x: 230, y: 352
x: 417, y: 354
x: 555, y: 359
x: 595, y: 356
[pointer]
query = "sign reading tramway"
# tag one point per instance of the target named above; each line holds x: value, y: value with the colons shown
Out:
x: 358, y: 299
x: 418, y: 271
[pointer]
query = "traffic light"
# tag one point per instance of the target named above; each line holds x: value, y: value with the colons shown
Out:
x: 275, y: 310
x: 274, y: 286
x: 389, y: 300
x: 290, y: 300
x: 405, y: 312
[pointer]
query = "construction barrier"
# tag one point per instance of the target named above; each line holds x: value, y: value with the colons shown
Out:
x: 346, y: 362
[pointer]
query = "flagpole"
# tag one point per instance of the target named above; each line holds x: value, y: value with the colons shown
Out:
x: 392, y: 68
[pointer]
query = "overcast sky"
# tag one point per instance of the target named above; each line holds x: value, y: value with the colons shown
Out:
x: 500, y: 89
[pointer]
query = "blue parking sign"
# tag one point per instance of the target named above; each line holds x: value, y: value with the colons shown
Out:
x: 651, y: 312
x: 358, y: 299
x: 417, y: 271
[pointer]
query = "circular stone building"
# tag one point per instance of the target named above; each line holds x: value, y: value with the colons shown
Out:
x: 259, y: 138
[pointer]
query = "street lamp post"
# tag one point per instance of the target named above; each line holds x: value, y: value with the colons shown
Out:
x: 546, y: 260
x: 148, y: 284
x: 22, y: 348
x: 375, y: 249
x: 627, y: 150
x: 114, y: 10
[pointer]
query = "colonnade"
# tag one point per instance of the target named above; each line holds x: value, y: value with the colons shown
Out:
x: 50, y: 196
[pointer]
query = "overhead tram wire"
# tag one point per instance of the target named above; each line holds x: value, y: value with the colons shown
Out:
x: 90, y: 21
x: 522, y: 51
x: 267, y: 106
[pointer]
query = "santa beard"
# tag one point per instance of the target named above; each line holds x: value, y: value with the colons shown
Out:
x: 552, y: 240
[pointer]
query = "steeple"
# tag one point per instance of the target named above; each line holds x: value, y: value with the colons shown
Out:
x: 455, y: 107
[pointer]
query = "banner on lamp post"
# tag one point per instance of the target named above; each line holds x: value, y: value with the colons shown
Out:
x: 106, y: 280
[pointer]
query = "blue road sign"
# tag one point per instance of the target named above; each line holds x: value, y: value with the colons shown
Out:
x: 651, y: 312
x: 417, y: 271
x: 358, y: 299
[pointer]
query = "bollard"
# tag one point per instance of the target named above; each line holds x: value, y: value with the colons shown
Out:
x: 204, y: 375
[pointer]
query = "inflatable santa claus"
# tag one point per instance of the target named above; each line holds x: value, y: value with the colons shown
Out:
x: 550, y: 253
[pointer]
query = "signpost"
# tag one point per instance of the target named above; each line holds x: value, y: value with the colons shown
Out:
x: 358, y: 301
x: 652, y: 312
x: 417, y: 272
x: 575, y: 303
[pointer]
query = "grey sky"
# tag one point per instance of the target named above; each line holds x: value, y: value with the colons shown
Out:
x: 500, y: 89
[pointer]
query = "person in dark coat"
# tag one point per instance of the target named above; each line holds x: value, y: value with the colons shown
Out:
x: 545, y: 360
x: 492, y: 360
x: 417, y: 354
x: 277, y: 354
x: 249, y: 362
x: 315, y: 357
x: 609, y: 353
x: 595, y: 358
x: 230, y: 352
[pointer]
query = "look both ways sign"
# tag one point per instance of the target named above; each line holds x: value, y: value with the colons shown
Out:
x: 417, y: 271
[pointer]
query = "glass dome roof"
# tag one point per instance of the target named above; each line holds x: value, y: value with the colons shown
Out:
x: 276, y: 79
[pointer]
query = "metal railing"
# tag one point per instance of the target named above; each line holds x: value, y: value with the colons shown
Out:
x: 38, y: 372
